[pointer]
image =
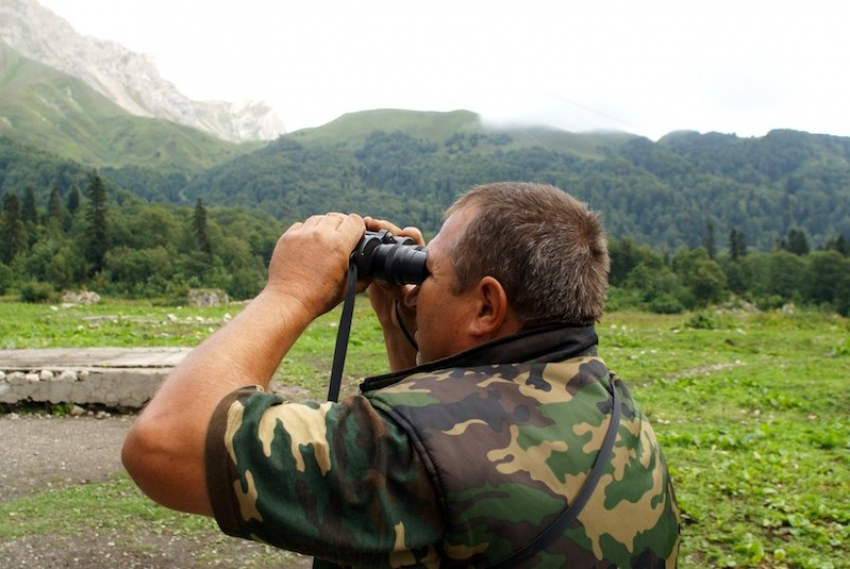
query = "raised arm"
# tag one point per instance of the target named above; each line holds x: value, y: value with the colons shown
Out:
x: 164, y: 450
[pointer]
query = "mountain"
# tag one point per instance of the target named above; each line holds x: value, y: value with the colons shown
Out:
x: 353, y: 129
x: 408, y: 166
x: 53, y: 111
x: 129, y: 80
x: 389, y: 162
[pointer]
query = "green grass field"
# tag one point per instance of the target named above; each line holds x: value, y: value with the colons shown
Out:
x: 752, y: 410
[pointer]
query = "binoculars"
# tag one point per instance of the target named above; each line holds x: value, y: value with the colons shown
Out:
x: 394, y: 260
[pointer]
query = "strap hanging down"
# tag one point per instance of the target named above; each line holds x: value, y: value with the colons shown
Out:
x: 569, y: 515
x: 340, y: 350
x: 342, y: 334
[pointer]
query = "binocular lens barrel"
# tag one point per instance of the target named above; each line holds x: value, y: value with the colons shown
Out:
x: 394, y: 260
x: 399, y: 264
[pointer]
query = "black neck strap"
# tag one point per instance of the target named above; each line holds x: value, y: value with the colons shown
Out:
x: 342, y: 334
x: 340, y: 351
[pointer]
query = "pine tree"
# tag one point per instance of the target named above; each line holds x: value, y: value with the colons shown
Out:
x: 199, y: 227
x: 72, y: 204
x: 54, y: 207
x: 797, y: 242
x: 737, y: 244
x: 709, y: 241
x: 11, y: 229
x: 839, y: 244
x: 73, y: 200
x: 29, y: 211
x: 96, y: 242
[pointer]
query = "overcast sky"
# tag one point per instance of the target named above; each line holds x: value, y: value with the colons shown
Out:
x: 644, y: 66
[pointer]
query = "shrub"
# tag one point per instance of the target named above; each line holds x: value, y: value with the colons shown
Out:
x: 7, y: 277
x: 666, y: 304
x: 701, y: 321
x: 38, y: 292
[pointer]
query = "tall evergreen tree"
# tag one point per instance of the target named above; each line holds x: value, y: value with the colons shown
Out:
x: 29, y: 211
x: 54, y: 207
x: 73, y: 200
x: 797, y: 242
x: 11, y: 229
x: 737, y: 244
x: 840, y: 244
x: 199, y: 227
x: 96, y: 240
x: 708, y: 241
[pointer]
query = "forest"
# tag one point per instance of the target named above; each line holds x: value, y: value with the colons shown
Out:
x: 693, y: 219
x: 127, y: 247
x: 118, y: 244
x: 658, y: 193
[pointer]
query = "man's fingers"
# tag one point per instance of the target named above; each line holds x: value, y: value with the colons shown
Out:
x: 413, y: 233
x: 377, y: 224
x: 331, y: 218
x: 351, y: 222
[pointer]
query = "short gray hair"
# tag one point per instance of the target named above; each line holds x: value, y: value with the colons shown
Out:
x: 547, y: 249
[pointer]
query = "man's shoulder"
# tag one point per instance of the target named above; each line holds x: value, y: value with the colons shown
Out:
x: 573, y: 373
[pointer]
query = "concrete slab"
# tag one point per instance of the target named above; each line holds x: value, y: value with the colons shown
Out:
x: 116, y: 377
x: 92, y: 357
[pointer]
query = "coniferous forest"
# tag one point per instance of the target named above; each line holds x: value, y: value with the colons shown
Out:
x: 692, y: 219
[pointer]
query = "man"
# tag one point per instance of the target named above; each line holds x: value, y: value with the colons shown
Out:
x: 510, y: 444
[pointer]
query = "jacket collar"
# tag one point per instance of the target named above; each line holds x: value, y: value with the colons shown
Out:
x: 550, y: 343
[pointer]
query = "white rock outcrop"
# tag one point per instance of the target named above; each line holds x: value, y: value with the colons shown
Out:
x: 129, y: 79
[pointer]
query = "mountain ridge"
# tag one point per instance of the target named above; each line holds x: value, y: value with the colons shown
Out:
x: 128, y: 79
x: 50, y: 110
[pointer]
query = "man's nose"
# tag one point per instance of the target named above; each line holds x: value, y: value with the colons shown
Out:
x: 411, y: 297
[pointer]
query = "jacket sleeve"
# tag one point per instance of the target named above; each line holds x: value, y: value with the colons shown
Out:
x: 340, y: 481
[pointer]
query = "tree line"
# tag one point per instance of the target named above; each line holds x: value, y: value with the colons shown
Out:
x: 118, y: 244
x: 692, y: 278
x: 115, y: 243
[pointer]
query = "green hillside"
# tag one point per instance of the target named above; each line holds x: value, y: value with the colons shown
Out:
x: 353, y: 129
x: 663, y: 194
x: 23, y: 167
x: 58, y: 113
x: 409, y: 165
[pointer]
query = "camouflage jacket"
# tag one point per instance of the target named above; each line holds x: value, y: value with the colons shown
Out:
x: 456, y: 464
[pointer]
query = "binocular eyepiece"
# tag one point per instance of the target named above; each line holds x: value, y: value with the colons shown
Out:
x: 394, y: 260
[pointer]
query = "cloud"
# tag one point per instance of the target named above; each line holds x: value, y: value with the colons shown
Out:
x: 647, y: 67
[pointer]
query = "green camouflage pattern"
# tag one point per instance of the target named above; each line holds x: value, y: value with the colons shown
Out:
x: 333, y: 480
x: 510, y: 445
x: 457, y: 465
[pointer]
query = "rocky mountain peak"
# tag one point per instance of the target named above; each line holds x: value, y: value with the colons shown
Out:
x: 129, y: 79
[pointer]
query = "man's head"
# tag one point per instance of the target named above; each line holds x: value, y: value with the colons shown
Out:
x: 509, y: 256
x: 546, y: 248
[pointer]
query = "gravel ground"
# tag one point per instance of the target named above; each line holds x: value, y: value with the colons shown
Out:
x: 41, y: 453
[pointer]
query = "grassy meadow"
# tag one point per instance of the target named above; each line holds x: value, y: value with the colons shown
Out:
x: 752, y: 410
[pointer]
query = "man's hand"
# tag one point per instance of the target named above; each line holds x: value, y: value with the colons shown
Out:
x: 388, y: 304
x: 310, y: 260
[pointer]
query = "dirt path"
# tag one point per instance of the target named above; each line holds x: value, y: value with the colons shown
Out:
x: 41, y: 453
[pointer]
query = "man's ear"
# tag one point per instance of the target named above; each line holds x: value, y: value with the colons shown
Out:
x: 492, y: 314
